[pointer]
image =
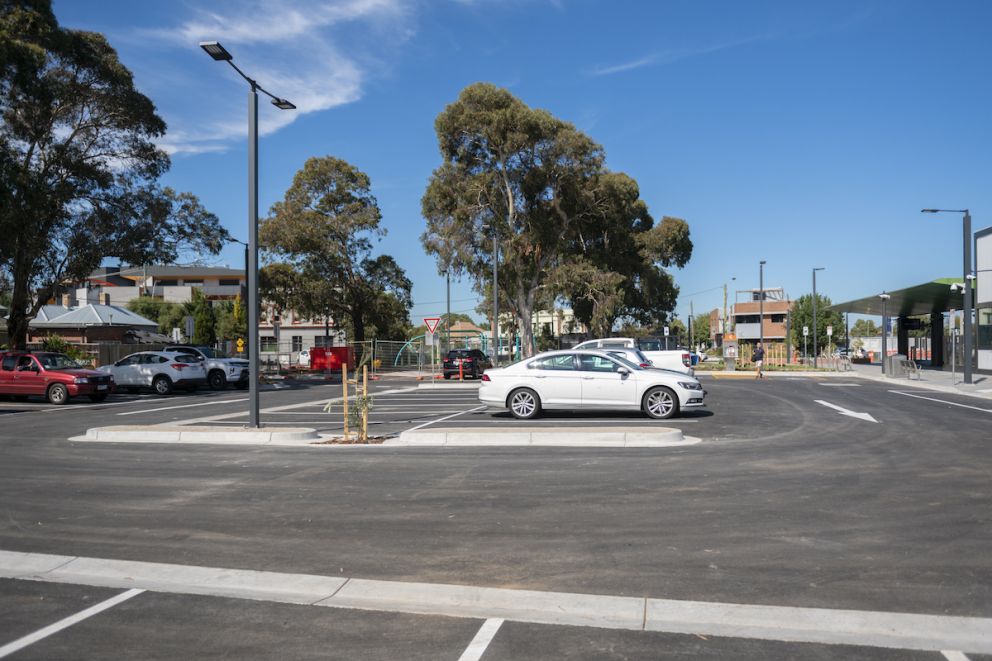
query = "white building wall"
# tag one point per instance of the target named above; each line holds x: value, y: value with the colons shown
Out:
x: 983, y: 299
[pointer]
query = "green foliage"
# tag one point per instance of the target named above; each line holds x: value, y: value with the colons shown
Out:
x: 865, y: 328
x: 168, y: 315
x: 566, y: 226
x: 802, y: 315
x: 323, y: 231
x: 204, y: 320
x: 701, y: 329
x: 79, y: 164
x: 58, y: 344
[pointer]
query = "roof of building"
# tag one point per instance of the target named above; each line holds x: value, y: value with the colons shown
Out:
x: 94, y: 315
x: 164, y: 270
x: 466, y: 327
x: 926, y: 298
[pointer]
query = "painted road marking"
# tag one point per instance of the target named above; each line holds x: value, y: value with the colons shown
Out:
x: 41, y: 634
x: 942, y: 401
x: 951, y: 655
x: 184, y: 406
x: 478, y: 646
x: 861, y: 416
x: 778, y: 623
x: 287, y: 407
x: 840, y: 385
x: 432, y: 422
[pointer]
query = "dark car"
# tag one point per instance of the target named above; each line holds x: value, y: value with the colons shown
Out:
x: 54, y: 376
x: 465, y: 362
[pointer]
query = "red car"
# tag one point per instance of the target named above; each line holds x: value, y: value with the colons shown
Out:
x: 54, y: 376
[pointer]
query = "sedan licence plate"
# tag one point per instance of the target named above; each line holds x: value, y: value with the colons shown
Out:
x: 101, y: 387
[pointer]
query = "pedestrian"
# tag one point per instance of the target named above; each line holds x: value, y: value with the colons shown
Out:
x: 758, y: 357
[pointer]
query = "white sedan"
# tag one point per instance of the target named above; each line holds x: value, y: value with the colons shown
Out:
x: 574, y: 380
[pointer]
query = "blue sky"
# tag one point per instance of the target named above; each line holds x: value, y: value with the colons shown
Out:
x: 805, y: 134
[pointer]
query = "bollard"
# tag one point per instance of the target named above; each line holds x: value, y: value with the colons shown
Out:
x: 461, y: 371
x: 365, y: 407
x: 344, y: 386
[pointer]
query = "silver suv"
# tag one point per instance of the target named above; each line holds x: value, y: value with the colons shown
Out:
x: 220, y: 370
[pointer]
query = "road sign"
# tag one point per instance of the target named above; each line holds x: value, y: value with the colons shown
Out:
x: 666, y: 331
x: 830, y: 331
x: 431, y: 323
x: 805, y: 331
x: 429, y: 339
x: 241, y: 345
x: 190, y: 328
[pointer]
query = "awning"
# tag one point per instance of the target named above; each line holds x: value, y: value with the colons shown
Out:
x: 927, y: 298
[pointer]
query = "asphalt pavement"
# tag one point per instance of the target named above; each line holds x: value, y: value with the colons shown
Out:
x: 793, y: 499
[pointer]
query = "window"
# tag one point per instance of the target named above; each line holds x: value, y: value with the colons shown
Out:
x: 168, y: 283
x: 613, y: 345
x: 560, y: 363
x: 297, y: 341
x: 984, y: 328
x: 269, y: 344
x: 9, y: 362
x: 747, y: 319
x: 590, y: 363
x: 193, y: 281
x: 230, y: 282
x: 778, y: 318
x: 323, y: 341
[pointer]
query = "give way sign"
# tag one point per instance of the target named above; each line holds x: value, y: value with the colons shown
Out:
x: 431, y: 323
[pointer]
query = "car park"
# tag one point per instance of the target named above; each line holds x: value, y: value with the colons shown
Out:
x: 162, y: 371
x: 588, y: 380
x: 54, y: 376
x: 220, y: 369
x: 468, y: 363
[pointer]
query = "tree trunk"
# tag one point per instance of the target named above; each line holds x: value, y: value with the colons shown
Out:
x: 525, y: 316
x: 19, y: 316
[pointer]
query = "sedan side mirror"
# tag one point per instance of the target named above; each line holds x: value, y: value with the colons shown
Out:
x: 623, y: 371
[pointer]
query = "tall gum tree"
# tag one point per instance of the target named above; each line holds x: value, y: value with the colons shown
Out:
x: 321, y: 235
x: 78, y: 165
x: 562, y: 221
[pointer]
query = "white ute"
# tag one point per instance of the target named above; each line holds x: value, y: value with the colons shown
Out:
x: 677, y: 360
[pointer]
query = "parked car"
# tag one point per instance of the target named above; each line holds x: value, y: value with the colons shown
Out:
x: 159, y: 370
x: 679, y: 360
x: 221, y: 370
x: 581, y: 380
x: 467, y: 362
x: 54, y: 376
x: 633, y: 355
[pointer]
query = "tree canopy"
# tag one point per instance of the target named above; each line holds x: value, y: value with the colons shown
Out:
x: 566, y: 226
x: 78, y: 164
x: 321, y: 237
x: 802, y: 315
x: 865, y: 328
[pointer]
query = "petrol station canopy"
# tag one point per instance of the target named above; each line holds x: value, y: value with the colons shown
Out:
x: 927, y: 298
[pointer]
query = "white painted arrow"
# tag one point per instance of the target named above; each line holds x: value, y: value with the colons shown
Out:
x: 843, y: 411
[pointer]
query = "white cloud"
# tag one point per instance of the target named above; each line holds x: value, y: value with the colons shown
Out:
x: 318, y: 54
x: 667, y: 57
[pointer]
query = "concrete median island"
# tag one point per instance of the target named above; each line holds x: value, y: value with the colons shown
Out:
x: 566, y: 436
x: 200, y: 434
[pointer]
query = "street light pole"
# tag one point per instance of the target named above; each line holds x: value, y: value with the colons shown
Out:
x: 447, y: 318
x: 219, y: 53
x: 885, y: 329
x: 968, y: 275
x: 761, y: 304
x: 815, y: 328
x: 495, y: 297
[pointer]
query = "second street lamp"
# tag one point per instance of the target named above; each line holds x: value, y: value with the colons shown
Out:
x: 761, y: 304
x: 885, y: 328
x: 219, y: 53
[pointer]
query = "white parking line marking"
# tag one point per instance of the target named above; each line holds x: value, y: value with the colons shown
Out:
x: 478, y: 646
x: 841, y: 385
x: 184, y: 406
x: 761, y: 622
x: 41, y: 634
x: 942, y: 401
x: 951, y: 655
x: 477, y: 408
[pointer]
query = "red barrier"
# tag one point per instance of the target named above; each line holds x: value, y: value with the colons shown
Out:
x: 332, y: 358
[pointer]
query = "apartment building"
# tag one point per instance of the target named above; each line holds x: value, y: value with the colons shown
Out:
x: 174, y: 284
x: 747, y: 319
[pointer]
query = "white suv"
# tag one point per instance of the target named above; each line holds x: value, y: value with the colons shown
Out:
x: 159, y: 370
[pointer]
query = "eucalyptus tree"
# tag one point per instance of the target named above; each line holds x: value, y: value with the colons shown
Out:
x: 321, y: 236
x: 566, y: 227
x: 79, y: 165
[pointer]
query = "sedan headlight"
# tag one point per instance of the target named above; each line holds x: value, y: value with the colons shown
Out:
x: 80, y: 379
x: 688, y: 385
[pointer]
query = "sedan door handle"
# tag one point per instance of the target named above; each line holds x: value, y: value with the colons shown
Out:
x: 541, y: 376
x: 588, y: 378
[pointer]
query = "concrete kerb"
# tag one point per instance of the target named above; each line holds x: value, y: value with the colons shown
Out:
x: 575, y: 437
x: 199, y: 434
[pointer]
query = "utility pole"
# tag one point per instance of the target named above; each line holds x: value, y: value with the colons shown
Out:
x: 761, y: 304
x: 495, y: 297
x: 815, y: 328
x: 447, y: 318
